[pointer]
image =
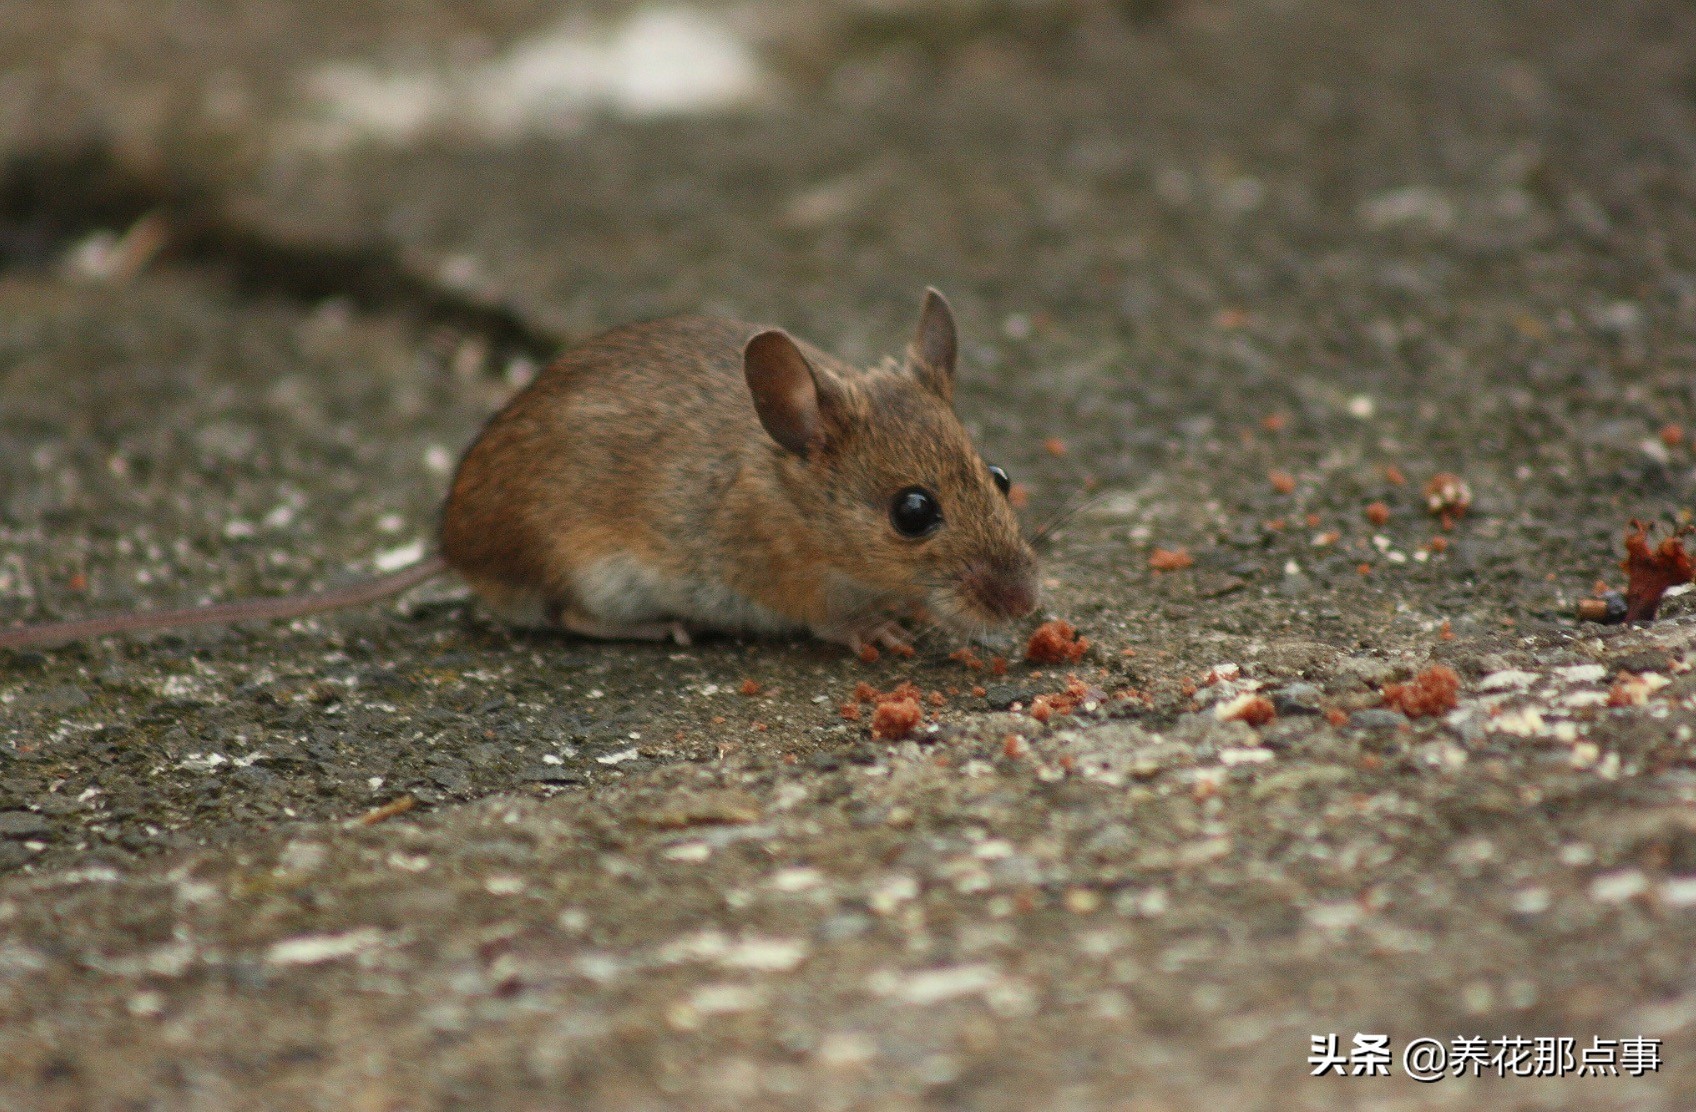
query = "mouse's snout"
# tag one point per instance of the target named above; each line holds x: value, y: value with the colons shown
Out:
x: 1001, y: 590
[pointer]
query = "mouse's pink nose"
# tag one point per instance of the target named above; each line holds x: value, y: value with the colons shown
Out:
x: 1002, y: 590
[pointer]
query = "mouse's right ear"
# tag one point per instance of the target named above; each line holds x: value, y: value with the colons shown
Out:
x: 786, y: 391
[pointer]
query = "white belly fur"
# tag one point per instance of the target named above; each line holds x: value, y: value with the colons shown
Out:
x: 621, y: 591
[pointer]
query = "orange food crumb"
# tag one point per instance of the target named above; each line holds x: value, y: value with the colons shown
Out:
x: 1439, y: 544
x: 1055, y: 642
x: 1274, y: 422
x: 1127, y: 652
x: 1282, y: 481
x: 1432, y: 692
x: 1276, y: 525
x: 77, y: 582
x: 1651, y: 572
x: 1672, y: 436
x: 1445, y: 632
x: 1012, y: 748
x: 1312, y: 521
x: 1257, y: 712
x: 1040, y: 709
x: 1364, y: 569
x: 1393, y: 475
x: 868, y: 654
x: 749, y: 687
x: 850, y: 711
x: 1378, y: 513
x: 1327, y: 538
x: 906, y: 689
x: 980, y: 692
x: 895, y: 719
x: 719, y: 720
x: 866, y: 693
x: 1230, y: 318
x: 1170, y: 559
x: 937, y: 699
x: 1019, y: 496
x: 967, y: 657
x: 902, y: 650
x: 761, y: 727
x: 1054, y: 446
x: 1336, y: 716
x: 998, y: 666
x: 1187, y: 687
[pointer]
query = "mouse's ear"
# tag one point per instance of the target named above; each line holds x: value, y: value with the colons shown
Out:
x: 785, y: 390
x: 932, y: 352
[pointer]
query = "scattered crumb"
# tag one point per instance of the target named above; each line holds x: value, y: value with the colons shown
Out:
x: 1282, y: 481
x: 1378, y: 513
x: 1170, y: 559
x: 1393, y: 475
x: 895, y: 719
x: 850, y: 711
x: 1054, y: 446
x: 750, y: 687
x: 1434, y: 691
x: 1651, y: 572
x: 868, y: 654
x: 1312, y: 521
x: 979, y: 691
x: 967, y: 657
x: 1672, y: 436
x: 1055, y: 642
x: 1447, y: 497
x: 1438, y: 544
x: 1274, y: 422
x: 1019, y: 496
x: 866, y: 693
x: 1337, y: 716
x: 1256, y: 710
x: 998, y: 666
x: 1445, y: 632
x: 1364, y: 569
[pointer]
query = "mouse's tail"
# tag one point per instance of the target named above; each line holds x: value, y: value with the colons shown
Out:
x: 246, y: 610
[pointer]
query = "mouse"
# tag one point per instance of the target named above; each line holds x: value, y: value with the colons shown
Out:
x: 697, y: 474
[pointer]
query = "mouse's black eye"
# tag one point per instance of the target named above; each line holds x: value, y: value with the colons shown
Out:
x: 915, y: 513
x: 1002, y: 482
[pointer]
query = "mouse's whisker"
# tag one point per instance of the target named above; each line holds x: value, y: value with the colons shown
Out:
x: 1071, y: 508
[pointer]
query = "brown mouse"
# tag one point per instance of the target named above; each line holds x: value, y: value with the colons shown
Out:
x: 693, y: 474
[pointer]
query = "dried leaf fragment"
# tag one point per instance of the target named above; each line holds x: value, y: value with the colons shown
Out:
x: 1651, y: 571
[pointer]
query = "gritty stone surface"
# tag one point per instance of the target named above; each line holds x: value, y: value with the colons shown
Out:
x: 402, y: 857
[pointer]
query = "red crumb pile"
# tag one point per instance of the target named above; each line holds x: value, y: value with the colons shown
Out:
x: 894, y: 719
x: 895, y: 714
x: 1077, y: 692
x: 1434, y: 691
x: 1651, y: 571
x: 1055, y: 642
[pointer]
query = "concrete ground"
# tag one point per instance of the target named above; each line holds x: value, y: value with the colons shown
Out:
x: 1228, y: 273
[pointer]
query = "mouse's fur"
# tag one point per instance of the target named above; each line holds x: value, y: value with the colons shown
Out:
x: 702, y: 473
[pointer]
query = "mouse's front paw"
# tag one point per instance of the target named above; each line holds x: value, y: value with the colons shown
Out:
x: 866, y: 638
